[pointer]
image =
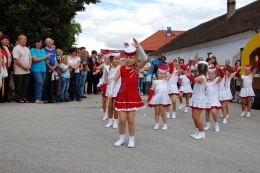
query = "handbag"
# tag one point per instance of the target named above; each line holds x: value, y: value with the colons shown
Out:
x: 4, y: 72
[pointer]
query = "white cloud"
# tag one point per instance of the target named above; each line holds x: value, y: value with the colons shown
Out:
x: 108, y: 24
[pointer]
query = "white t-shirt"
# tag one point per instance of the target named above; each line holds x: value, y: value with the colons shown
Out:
x: 23, y: 54
x: 73, y: 62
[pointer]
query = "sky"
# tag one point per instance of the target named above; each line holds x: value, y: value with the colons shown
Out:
x: 110, y: 23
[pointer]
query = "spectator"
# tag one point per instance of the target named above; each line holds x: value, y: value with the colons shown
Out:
x: 74, y: 62
x: 22, y: 65
x: 155, y: 63
x: 141, y: 82
x: 148, y: 79
x: 51, y: 66
x: 163, y: 60
x: 7, y: 52
x: 83, y: 72
x: 1, y: 63
x: 57, y: 83
x: 93, y: 76
x: 65, y: 79
x: 227, y: 63
x: 38, y: 69
x: 237, y: 82
x: 181, y: 62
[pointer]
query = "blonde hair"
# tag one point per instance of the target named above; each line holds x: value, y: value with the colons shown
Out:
x: 63, y: 57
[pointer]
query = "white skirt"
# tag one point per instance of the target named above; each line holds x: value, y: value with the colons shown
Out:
x: 115, y: 91
x: 186, y: 89
x: 225, y: 96
x: 214, y: 103
x: 199, y: 102
x: 160, y: 99
x: 247, y: 92
x: 173, y: 90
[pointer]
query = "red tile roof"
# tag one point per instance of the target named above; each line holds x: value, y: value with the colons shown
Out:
x: 244, y: 19
x: 158, y: 39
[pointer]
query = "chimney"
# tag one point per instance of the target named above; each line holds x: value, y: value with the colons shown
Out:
x: 231, y: 8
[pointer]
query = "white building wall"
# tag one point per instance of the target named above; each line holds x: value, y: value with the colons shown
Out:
x: 225, y: 48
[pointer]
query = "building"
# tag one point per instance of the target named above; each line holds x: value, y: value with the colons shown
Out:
x: 232, y: 36
x: 225, y: 36
x: 158, y: 39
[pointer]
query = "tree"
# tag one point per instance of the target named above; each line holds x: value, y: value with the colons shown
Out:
x: 42, y: 18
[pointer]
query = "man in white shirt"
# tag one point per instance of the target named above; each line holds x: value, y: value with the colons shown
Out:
x: 22, y: 65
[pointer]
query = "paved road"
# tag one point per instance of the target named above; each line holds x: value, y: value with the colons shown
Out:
x: 71, y: 138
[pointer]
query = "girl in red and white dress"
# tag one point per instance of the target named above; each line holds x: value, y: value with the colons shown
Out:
x: 158, y: 95
x: 224, y: 94
x: 109, y: 75
x: 199, y: 100
x: 247, y: 91
x: 128, y: 99
x: 104, y: 66
x: 173, y: 92
x: 212, y: 94
x: 185, y: 87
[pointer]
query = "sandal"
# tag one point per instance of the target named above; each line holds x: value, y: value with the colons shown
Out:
x: 25, y: 101
x: 20, y: 101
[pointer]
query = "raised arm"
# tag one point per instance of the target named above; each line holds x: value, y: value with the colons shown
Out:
x: 171, y: 66
x: 256, y: 66
x: 199, y: 79
x: 143, y: 57
x: 221, y: 73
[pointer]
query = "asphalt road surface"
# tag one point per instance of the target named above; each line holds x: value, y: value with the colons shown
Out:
x: 72, y: 138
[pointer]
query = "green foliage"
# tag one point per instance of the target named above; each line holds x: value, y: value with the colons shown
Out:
x: 42, y: 18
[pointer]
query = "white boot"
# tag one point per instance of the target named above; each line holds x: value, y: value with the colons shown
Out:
x: 243, y: 114
x: 201, y: 135
x: 121, y: 141
x: 165, y: 127
x: 181, y: 106
x: 105, y: 116
x: 207, y: 126
x: 131, y: 142
x: 173, y: 115
x: 115, y: 124
x: 216, y: 127
x: 168, y: 114
x: 195, y: 134
x: 224, y: 121
x: 110, y: 123
x: 248, y: 115
x: 156, y: 127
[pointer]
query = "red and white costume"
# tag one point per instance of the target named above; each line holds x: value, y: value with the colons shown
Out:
x: 212, y: 94
x: 128, y: 98
x: 172, y: 85
x: 199, y: 99
x: 224, y: 93
x: 111, y: 74
x: 185, y: 85
x: 160, y: 97
x: 247, y: 89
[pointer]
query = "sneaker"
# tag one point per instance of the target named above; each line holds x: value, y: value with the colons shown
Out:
x: 105, y: 117
x: 173, y: 115
x: 243, y: 114
x: 225, y: 121
x: 115, y: 124
x: 110, y: 123
x: 248, y: 115
x: 168, y: 115
x: 181, y: 106
x: 217, y: 128
x: 156, y: 127
x: 201, y: 135
x: 165, y: 127
x: 186, y: 110
x: 120, y: 142
x: 131, y: 143
x: 206, y: 128
x: 195, y: 134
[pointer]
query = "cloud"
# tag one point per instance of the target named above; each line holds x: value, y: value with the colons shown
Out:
x: 108, y: 24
